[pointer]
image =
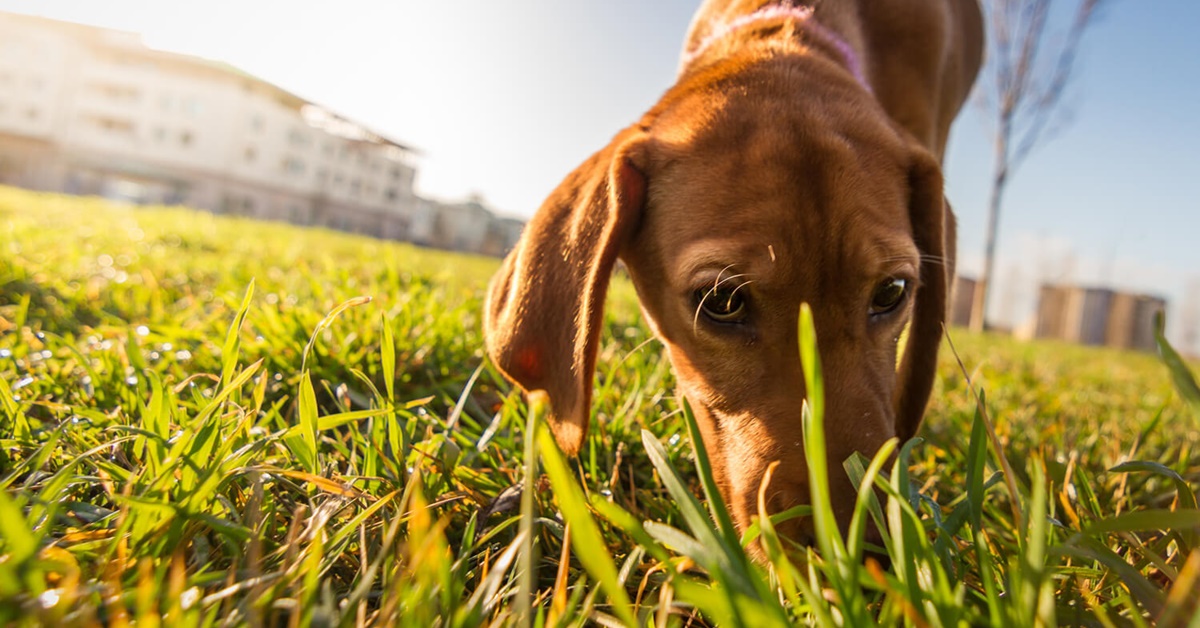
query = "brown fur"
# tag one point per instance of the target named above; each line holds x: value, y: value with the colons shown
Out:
x: 767, y: 159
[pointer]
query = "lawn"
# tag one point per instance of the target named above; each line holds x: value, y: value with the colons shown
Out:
x: 213, y: 421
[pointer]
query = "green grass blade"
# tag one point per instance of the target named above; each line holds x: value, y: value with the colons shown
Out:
x: 233, y: 338
x: 1190, y: 537
x: 310, y: 571
x: 810, y: 361
x: 682, y: 543
x: 716, y: 606
x: 228, y: 390
x: 1146, y: 520
x: 332, y: 421
x: 1146, y: 593
x: 1187, y: 499
x: 307, y: 415
x: 1185, y: 382
x: 630, y: 525
x: 589, y: 545
x: 1038, y: 591
x: 716, y: 504
x: 726, y: 564
x: 18, y: 541
x: 18, y: 546
x: 39, y: 458
x: 693, y: 513
x: 839, y: 566
x: 866, y: 494
x: 754, y: 529
x: 976, y: 468
x: 485, y: 596
x: 771, y: 544
x: 906, y: 530
x: 326, y: 322
x: 387, y: 354
x: 829, y: 536
x: 539, y: 403
x: 13, y: 413
x: 156, y: 419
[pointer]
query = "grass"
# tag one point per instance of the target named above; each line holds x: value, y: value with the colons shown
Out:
x: 210, y: 421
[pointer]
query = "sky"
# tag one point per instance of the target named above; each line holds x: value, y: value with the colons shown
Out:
x: 504, y: 98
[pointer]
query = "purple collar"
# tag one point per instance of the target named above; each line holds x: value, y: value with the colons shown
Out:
x: 802, y: 15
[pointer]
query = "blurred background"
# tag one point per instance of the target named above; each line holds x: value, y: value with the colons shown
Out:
x: 446, y: 124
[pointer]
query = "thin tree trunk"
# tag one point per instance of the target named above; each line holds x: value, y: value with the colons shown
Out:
x: 999, y: 181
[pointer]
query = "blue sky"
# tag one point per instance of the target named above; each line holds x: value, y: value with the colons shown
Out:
x: 504, y: 98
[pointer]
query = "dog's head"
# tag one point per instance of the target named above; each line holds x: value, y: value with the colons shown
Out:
x: 734, y: 201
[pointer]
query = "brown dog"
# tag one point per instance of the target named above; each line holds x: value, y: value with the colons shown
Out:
x: 796, y: 159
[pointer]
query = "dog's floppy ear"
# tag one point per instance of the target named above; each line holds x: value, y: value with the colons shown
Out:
x: 931, y: 224
x: 545, y: 306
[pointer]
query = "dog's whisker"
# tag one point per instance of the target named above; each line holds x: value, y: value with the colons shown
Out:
x: 696, y: 315
x: 729, y: 278
x: 718, y: 279
x: 713, y: 290
x: 925, y: 259
x: 700, y: 306
x: 742, y: 285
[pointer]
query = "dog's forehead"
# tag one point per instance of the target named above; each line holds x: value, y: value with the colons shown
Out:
x: 744, y: 148
x: 785, y: 197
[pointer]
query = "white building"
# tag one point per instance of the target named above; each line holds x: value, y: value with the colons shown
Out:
x: 92, y: 111
x: 467, y: 226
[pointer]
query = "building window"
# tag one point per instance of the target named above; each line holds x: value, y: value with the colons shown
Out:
x: 395, y: 173
x: 186, y: 138
x: 293, y: 166
x: 116, y: 92
x: 33, y: 114
x: 134, y: 62
x: 113, y: 126
x: 322, y: 176
x: 390, y: 194
x: 192, y: 106
x: 356, y: 187
x: 160, y: 134
x: 13, y: 49
x: 297, y: 138
x: 250, y: 153
x: 256, y: 122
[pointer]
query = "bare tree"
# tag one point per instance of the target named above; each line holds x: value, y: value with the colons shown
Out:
x: 1022, y: 85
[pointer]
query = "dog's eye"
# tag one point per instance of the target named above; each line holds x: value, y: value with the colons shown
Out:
x: 724, y: 305
x: 888, y: 296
